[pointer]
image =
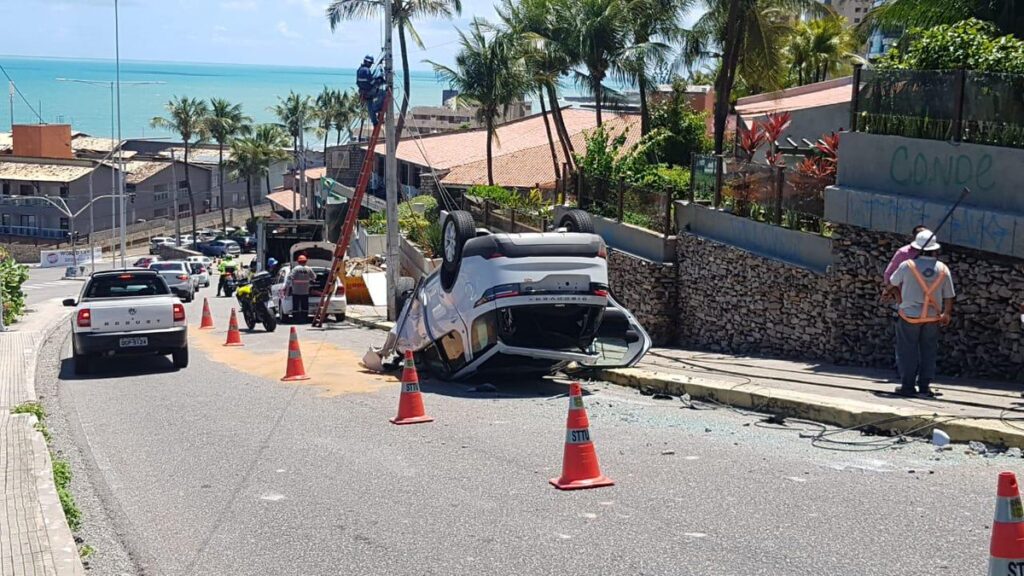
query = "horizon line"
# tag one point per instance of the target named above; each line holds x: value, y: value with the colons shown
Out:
x: 193, y: 63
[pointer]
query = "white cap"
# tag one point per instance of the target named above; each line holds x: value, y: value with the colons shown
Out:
x: 925, y: 241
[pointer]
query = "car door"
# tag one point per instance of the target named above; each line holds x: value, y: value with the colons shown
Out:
x: 621, y: 341
x: 277, y: 291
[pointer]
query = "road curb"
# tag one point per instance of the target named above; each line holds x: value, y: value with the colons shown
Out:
x: 384, y: 325
x: 59, y: 553
x: 827, y: 410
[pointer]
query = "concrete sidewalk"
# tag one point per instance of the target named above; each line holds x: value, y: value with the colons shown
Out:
x: 849, y: 397
x: 986, y: 411
x: 34, y: 535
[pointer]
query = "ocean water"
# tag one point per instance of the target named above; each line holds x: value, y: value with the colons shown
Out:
x: 87, y: 107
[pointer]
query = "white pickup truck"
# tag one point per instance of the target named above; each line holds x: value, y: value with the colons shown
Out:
x: 129, y: 311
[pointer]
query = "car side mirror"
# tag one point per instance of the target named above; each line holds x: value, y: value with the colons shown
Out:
x: 70, y: 302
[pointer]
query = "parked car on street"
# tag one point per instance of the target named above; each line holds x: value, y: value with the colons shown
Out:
x: 200, y: 274
x: 515, y: 303
x: 220, y: 248
x: 157, y: 241
x: 123, y: 312
x: 319, y: 256
x: 178, y: 277
x: 145, y: 261
x: 246, y: 243
x: 207, y: 265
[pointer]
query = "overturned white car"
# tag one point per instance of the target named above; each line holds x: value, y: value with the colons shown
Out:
x: 514, y: 304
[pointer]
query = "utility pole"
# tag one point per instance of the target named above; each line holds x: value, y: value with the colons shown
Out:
x: 391, y: 168
x: 174, y: 199
x: 120, y: 156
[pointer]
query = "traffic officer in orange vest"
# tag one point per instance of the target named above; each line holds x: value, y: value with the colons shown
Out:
x: 926, y: 303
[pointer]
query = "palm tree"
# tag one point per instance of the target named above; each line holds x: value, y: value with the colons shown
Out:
x: 823, y: 47
x: 295, y: 113
x: 273, y: 144
x: 896, y: 15
x: 490, y: 74
x: 595, y: 37
x: 347, y: 108
x: 652, y: 24
x: 324, y: 108
x: 536, y: 22
x: 187, y: 117
x: 747, y: 37
x: 225, y: 122
x: 243, y: 164
x: 403, y: 12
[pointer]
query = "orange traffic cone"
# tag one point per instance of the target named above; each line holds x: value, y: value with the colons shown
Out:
x: 410, y: 403
x: 234, y: 336
x: 1006, y: 554
x: 295, y: 369
x: 579, y: 461
x: 207, y: 322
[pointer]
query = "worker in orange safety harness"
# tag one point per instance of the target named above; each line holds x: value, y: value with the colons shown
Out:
x: 926, y: 303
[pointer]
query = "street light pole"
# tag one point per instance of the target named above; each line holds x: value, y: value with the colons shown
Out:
x: 391, y: 169
x: 115, y: 142
x: 120, y: 156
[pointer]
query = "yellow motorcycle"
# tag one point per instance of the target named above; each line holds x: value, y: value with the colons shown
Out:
x: 254, y: 300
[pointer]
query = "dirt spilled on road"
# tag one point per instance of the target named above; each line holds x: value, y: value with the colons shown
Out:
x: 335, y: 371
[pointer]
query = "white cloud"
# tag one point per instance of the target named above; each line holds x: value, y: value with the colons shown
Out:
x: 312, y: 8
x: 282, y: 27
x: 239, y: 5
x: 220, y: 28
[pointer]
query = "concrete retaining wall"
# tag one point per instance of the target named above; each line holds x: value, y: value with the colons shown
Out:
x: 639, y: 241
x: 801, y: 249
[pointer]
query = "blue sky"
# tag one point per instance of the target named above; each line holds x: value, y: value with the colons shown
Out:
x: 276, y: 32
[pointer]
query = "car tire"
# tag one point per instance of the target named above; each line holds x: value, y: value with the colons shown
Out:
x: 180, y: 358
x: 457, y: 228
x: 83, y: 364
x: 577, y: 220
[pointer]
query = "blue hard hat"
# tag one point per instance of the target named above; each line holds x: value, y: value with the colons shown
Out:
x: 368, y: 59
x: 271, y: 262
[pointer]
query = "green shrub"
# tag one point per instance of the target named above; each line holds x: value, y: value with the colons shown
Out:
x: 12, y: 276
x: 969, y: 45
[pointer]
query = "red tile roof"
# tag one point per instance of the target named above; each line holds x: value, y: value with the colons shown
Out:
x: 836, y: 91
x: 447, y: 150
x: 528, y: 167
x: 286, y: 199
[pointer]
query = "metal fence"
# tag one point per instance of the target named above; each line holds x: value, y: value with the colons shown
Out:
x: 780, y: 195
x: 958, y: 105
x: 505, y: 219
x: 646, y: 207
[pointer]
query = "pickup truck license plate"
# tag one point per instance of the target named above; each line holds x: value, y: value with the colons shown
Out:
x: 134, y: 342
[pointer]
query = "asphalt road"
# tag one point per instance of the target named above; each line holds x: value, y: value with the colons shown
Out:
x: 222, y: 469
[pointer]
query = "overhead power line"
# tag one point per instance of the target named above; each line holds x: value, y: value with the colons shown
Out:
x: 18, y: 90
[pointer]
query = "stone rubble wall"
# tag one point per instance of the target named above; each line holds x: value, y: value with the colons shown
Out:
x: 648, y: 290
x: 737, y: 302
x: 985, y: 338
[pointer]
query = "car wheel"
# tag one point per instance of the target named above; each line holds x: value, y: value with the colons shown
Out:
x: 577, y: 220
x: 340, y: 317
x: 83, y: 364
x: 180, y: 358
x: 458, y: 227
